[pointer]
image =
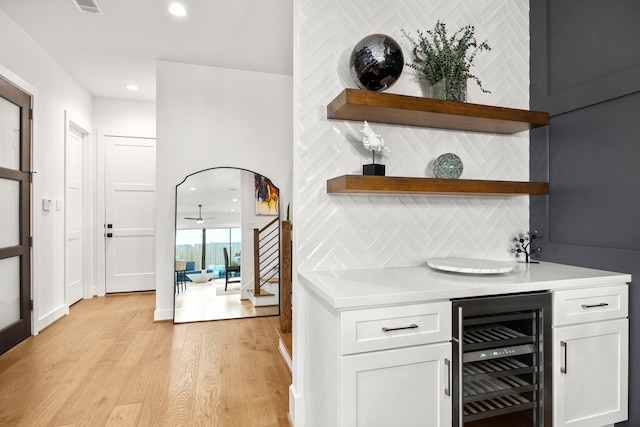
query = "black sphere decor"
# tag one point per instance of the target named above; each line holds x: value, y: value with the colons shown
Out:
x: 376, y: 62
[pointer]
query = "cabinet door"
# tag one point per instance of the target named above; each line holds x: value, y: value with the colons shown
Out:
x: 403, y: 387
x: 590, y: 373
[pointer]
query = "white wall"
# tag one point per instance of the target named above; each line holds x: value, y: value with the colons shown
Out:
x: 124, y: 117
x: 343, y: 231
x: 54, y: 91
x: 208, y: 117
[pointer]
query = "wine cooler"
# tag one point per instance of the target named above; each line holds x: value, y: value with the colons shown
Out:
x: 502, y: 361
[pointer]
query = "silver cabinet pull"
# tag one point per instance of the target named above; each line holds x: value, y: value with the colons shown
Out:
x: 411, y: 326
x: 563, y: 369
x: 602, y: 304
x: 447, y: 391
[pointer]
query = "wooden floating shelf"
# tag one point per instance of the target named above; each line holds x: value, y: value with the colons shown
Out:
x: 380, y: 107
x: 369, y: 184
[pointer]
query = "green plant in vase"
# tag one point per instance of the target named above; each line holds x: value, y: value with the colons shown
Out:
x: 445, y: 62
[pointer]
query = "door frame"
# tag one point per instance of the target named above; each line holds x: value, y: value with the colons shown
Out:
x: 71, y: 121
x: 26, y: 203
x: 99, y: 233
x: 36, y: 323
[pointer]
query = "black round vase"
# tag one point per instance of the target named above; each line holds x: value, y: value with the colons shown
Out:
x: 376, y: 62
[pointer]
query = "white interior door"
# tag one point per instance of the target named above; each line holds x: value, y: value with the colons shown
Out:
x: 73, y: 216
x: 130, y: 171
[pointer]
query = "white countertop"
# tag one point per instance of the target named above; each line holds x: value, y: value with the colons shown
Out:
x: 358, y: 288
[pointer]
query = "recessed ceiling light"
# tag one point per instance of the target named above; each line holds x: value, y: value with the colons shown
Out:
x: 131, y: 87
x: 177, y: 9
x: 193, y: 189
x: 235, y: 200
x: 232, y: 210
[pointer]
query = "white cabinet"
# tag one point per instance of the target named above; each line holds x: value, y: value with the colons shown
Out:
x: 590, y: 358
x: 380, y: 366
x: 388, y: 364
x: 405, y: 387
x: 385, y: 328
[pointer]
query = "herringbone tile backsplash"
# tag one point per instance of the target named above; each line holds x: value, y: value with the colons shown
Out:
x: 361, y: 231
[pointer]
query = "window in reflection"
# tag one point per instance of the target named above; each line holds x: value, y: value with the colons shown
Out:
x: 189, y: 247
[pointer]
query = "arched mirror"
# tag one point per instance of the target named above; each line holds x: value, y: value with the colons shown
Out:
x: 227, y: 240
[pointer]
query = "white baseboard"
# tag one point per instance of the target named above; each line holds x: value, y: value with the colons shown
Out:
x: 296, y: 407
x: 50, y: 317
x: 285, y: 355
x: 163, y: 314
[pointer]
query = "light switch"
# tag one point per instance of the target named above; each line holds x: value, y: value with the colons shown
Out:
x: 58, y: 204
x: 46, y: 204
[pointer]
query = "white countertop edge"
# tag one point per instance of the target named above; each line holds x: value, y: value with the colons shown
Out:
x: 370, y: 288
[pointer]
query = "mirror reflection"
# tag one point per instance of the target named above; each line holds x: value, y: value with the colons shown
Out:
x: 220, y: 214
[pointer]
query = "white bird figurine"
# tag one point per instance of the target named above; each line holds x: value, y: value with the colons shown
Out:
x: 371, y: 140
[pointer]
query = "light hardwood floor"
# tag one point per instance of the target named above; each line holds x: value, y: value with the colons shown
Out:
x: 108, y: 363
x: 208, y: 301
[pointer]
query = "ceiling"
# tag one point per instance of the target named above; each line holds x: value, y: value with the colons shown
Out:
x: 218, y: 191
x: 104, y: 52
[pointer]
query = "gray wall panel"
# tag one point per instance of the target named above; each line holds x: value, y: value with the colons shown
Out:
x: 582, y: 50
x: 590, y: 152
x: 594, y: 155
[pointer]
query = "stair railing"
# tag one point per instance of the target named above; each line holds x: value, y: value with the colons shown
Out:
x: 266, y: 255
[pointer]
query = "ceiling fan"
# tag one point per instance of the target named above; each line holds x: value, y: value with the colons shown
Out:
x: 199, y: 219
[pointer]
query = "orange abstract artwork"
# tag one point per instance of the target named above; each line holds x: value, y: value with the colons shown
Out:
x: 267, y: 196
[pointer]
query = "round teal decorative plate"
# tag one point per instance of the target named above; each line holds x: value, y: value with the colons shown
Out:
x: 447, y: 165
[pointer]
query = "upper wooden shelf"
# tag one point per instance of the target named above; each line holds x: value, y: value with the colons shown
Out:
x: 380, y: 107
x: 370, y: 184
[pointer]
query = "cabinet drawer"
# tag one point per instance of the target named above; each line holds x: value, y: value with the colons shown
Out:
x: 590, y: 304
x: 391, y: 327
